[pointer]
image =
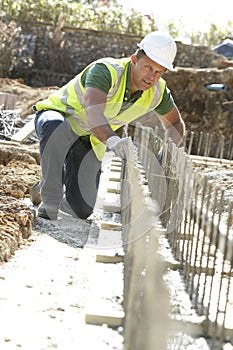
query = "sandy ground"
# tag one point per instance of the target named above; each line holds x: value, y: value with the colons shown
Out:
x: 51, y: 283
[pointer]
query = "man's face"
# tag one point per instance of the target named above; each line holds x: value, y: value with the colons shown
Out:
x: 144, y: 73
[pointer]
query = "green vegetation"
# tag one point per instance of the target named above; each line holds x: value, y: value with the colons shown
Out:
x: 96, y: 16
x: 214, y: 36
x: 8, y: 31
x: 105, y: 15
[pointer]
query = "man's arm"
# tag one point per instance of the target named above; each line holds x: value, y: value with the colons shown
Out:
x: 174, y: 125
x: 95, y: 101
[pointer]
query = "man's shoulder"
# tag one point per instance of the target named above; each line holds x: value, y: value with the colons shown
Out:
x: 113, y: 61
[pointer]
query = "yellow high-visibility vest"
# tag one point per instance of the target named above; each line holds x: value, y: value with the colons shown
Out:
x: 69, y: 101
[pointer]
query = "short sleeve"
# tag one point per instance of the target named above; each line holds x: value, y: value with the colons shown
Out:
x: 98, y: 76
x: 166, y: 104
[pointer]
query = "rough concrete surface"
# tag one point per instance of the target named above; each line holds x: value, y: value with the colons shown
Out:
x: 50, y: 284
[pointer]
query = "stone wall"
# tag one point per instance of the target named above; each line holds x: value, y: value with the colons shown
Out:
x: 51, y: 55
x: 47, y: 55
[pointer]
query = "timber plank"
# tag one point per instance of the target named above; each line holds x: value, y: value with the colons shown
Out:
x: 24, y: 132
x: 110, y: 258
x: 112, y: 320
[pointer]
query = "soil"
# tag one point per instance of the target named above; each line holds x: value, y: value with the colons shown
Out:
x: 26, y: 96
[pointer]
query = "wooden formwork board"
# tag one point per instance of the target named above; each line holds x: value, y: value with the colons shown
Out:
x: 25, y: 131
x: 114, y: 187
x: 112, y: 319
x: 115, y: 176
x: 116, y: 168
x: 211, y: 161
x: 109, y: 258
x: 104, y: 307
x: 111, y: 225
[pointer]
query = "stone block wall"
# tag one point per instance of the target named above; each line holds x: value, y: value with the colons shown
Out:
x: 51, y: 56
x: 48, y: 55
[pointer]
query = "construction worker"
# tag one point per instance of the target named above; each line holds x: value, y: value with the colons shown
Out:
x: 78, y: 122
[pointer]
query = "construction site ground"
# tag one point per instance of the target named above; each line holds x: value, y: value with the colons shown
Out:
x: 52, y: 281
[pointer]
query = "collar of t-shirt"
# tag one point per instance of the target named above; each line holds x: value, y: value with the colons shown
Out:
x: 128, y: 98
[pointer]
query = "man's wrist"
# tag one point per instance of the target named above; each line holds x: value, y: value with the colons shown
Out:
x: 112, y: 140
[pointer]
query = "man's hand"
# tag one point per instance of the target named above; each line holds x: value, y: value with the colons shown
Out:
x: 118, y: 145
x: 174, y: 126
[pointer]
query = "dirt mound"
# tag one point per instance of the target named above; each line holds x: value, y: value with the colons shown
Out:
x: 26, y: 96
x: 19, y: 170
x: 16, y: 226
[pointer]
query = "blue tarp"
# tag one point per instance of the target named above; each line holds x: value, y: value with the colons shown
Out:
x: 225, y: 48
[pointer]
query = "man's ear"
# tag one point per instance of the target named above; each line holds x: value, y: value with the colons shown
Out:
x: 133, y: 58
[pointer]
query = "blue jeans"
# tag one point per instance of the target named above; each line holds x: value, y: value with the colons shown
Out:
x: 69, y: 166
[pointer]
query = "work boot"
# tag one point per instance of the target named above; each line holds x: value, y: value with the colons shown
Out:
x: 65, y: 208
x: 35, y: 194
x: 48, y: 212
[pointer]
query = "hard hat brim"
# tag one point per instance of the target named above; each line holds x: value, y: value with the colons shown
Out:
x: 156, y: 59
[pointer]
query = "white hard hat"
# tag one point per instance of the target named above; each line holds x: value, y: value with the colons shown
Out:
x: 160, y: 47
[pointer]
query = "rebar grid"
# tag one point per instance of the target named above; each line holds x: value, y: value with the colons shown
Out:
x: 198, y: 228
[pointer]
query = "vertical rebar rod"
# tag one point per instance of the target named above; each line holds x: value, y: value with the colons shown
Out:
x: 200, y: 139
x: 204, y: 227
x: 211, y: 245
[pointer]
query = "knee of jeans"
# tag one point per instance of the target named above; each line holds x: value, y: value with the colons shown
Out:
x: 49, y: 127
x: 44, y: 117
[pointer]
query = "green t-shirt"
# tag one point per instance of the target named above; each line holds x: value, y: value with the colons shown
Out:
x: 98, y: 76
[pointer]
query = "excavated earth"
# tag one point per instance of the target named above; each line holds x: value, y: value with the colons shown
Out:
x: 18, y: 171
